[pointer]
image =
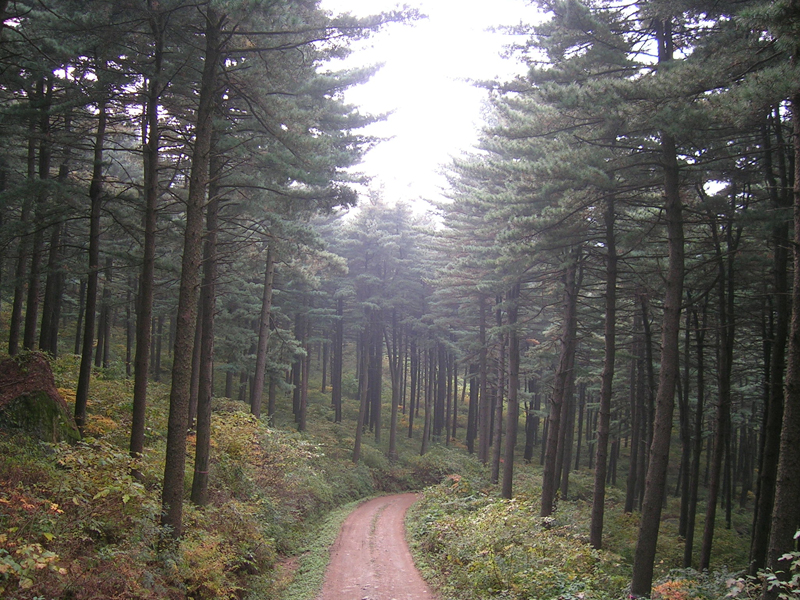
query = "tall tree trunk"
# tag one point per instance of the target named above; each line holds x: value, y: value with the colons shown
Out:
x: 144, y: 299
x: 362, y: 395
x: 96, y: 201
x: 414, y: 392
x: 79, y: 319
x: 773, y: 406
x: 565, y: 438
x: 104, y: 323
x: 53, y: 289
x: 428, y: 417
x: 497, y: 423
x: 174, y: 468
x: 376, y: 372
x: 684, y: 418
x: 337, y: 362
x: 129, y: 329
x: 51, y: 307
x: 607, y: 379
x: 263, y: 334
x: 484, y: 416
x: 723, y: 418
x: 472, y: 414
x: 512, y: 413
x: 208, y: 308
x: 304, y: 373
x: 635, y: 416
x: 786, y: 508
x: 45, y: 96
x: 655, y: 484
x: 566, y: 364
x: 697, y: 448
x: 441, y: 390
x: 581, y: 407
x: 394, y: 374
x: 23, y: 248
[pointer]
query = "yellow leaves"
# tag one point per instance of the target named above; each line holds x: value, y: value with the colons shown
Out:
x: 99, y: 426
x: 672, y: 590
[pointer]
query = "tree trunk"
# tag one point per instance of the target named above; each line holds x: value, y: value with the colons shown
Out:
x: 697, y: 442
x: 563, y: 374
x: 428, y: 417
x: 484, y: 416
x: 51, y: 307
x: 497, y: 423
x: 263, y: 334
x: 723, y: 418
x: 208, y: 308
x: 174, y: 469
x: 414, y: 392
x: 684, y: 418
x: 44, y: 96
x: 773, y: 406
x: 512, y: 414
x: 655, y: 483
x: 607, y: 378
x: 362, y: 397
x: 337, y: 362
x: 394, y: 374
x: 304, y: 374
x: 96, y: 201
x: 23, y: 249
x: 786, y: 508
x: 635, y: 374
x: 439, y: 416
x: 472, y: 414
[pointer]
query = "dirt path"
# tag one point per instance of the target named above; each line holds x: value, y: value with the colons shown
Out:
x: 370, y: 558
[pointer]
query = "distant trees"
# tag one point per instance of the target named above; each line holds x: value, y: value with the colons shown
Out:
x: 267, y: 133
x: 620, y: 141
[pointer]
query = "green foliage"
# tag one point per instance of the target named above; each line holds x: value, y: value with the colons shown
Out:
x: 481, y: 547
x: 786, y: 583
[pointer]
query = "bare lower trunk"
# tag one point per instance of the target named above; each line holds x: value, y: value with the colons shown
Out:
x: 563, y: 373
x: 655, y: 483
x: 606, y: 387
x: 174, y: 468
x: 512, y: 413
x: 263, y: 335
x: 96, y: 200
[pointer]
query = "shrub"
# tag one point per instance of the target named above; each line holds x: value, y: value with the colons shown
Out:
x: 490, y: 548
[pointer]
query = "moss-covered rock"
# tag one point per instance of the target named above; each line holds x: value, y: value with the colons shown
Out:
x: 29, y: 400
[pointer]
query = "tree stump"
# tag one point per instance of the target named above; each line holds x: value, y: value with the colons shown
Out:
x: 30, y: 401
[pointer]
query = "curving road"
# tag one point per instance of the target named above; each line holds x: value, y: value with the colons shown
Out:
x: 370, y: 559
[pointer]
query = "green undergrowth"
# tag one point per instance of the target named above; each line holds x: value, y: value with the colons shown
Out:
x: 475, y: 546
x: 308, y: 569
x: 472, y: 545
x: 75, y: 523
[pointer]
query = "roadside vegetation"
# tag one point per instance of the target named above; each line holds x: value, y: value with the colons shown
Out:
x: 75, y: 522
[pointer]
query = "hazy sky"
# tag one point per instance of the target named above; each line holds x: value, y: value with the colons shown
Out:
x: 424, y: 81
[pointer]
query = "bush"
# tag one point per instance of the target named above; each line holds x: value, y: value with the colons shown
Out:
x: 489, y: 548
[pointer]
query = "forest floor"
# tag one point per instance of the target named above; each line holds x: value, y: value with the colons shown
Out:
x: 370, y: 559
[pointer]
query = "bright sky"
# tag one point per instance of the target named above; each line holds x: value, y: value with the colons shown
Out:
x: 425, y: 82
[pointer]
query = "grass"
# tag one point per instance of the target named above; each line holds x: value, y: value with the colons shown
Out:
x: 309, y: 572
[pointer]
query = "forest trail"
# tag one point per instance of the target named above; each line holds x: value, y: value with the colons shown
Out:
x: 370, y: 559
